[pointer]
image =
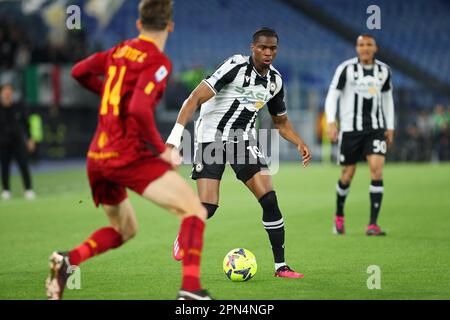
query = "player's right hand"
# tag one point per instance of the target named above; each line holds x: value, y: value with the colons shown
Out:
x: 389, y: 137
x: 31, y: 145
x: 172, y: 156
x: 332, y: 131
x: 303, y: 149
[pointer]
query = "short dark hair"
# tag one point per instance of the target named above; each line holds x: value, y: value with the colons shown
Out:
x: 367, y: 35
x: 267, y: 32
x: 155, y: 14
x: 6, y: 85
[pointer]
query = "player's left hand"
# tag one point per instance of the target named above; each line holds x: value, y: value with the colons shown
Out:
x: 389, y: 137
x: 31, y: 145
x: 303, y: 149
x: 172, y: 156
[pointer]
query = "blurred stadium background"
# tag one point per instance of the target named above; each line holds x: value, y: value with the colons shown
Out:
x: 37, y: 52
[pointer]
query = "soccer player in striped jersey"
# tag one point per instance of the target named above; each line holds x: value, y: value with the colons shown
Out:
x: 363, y: 86
x: 230, y: 100
x: 127, y: 151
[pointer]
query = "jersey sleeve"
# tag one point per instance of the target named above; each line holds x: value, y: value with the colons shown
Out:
x: 147, y: 93
x: 88, y: 71
x: 334, y: 91
x: 224, y: 74
x: 339, y: 78
x: 388, y: 83
x: 276, y: 105
x: 387, y: 102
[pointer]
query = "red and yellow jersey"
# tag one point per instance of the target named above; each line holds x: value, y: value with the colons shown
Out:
x: 134, y: 74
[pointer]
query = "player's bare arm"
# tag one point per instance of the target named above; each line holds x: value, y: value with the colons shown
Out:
x: 287, y: 131
x: 200, y: 95
x: 331, y: 103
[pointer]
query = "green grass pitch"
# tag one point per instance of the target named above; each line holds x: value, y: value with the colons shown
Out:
x: 414, y: 258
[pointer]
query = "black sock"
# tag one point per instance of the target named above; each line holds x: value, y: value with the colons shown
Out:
x: 376, y: 196
x: 274, y: 224
x: 211, y: 208
x: 342, y: 191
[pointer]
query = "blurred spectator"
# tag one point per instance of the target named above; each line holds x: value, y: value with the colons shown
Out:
x: 448, y: 114
x: 17, y: 50
x: 55, y: 133
x: 7, y: 48
x: 448, y: 132
x: 411, y: 149
x: 15, y: 142
x: 440, y: 133
x: 23, y: 56
x: 192, y: 77
x: 424, y: 126
x: 426, y: 136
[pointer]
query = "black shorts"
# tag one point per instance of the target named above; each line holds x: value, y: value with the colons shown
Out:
x: 244, y: 157
x: 355, y: 146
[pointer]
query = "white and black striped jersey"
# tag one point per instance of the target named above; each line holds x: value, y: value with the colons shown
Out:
x: 365, y: 96
x: 240, y: 93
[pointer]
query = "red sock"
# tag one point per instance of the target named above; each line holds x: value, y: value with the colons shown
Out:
x: 191, y: 243
x: 99, y: 242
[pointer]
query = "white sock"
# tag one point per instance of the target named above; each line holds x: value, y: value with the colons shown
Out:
x: 279, y: 265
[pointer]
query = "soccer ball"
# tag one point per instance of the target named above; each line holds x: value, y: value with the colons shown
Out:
x: 240, y: 265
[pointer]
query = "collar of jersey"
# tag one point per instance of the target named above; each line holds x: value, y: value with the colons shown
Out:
x: 142, y: 37
x: 367, y: 66
x: 251, y: 62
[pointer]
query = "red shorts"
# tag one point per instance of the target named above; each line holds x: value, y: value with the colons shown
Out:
x: 108, y: 185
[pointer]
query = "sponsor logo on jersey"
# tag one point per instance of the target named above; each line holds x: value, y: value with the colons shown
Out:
x: 259, y: 104
x: 161, y: 73
x: 368, y: 87
x: 251, y: 94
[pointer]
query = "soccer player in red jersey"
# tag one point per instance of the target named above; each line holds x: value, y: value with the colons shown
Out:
x: 127, y: 151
